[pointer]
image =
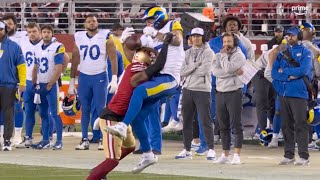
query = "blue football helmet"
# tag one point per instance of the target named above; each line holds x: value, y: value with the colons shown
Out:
x: 265, y: 137
x: 308, y: 25
x: 314, y: 116
x: 159, y: 14
x: 71, y: 105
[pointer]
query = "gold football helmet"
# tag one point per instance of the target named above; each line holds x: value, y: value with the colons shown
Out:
x: 145, y: 55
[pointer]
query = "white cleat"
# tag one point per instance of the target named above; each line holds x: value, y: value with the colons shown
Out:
x: 26, y: 143
x: 286, y: 161
x: 184, y: 154
x: 274, y: 143
x: 17, y: 140
x: 301, y: 162
x: 211, y: 155
x: 222, y: 160
x: 170, y: 127
x: 84, y: 144
x: 146, y: 161
x: 119, y: 130
x: 178, y: 127
x: 236, y: 160
x: 100, y: 146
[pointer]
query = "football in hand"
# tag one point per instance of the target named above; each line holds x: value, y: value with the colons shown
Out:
x: 133, y: 42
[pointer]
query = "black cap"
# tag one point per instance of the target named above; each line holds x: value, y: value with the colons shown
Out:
x: 278, y: 29
x: 117, y: 26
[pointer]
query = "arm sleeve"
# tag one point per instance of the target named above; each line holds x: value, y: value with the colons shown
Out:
x: 59, y: 56
x: 21, y: 67
x: 305, y: 66
x: 160, y: 62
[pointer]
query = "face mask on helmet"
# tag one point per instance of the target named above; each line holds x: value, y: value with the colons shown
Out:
x: 71, y: 105
x: 265, y: 137
x: 159, y: 14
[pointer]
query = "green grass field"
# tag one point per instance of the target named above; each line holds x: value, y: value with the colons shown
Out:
x: 19, y: 172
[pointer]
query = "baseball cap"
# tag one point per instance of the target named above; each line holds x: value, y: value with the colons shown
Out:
x: 293, y: 31
x: 198, y: 31
x: 278, y: 29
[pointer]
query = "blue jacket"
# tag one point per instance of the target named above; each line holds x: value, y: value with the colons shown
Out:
x: 11, y: 58
x: 281, y: 82
x: 216, y: 45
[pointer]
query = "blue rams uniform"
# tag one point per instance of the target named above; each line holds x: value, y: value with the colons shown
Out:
x: 93, y: 77
x: 47, y: 57
x: 28, y: 50
x: 146, y: 95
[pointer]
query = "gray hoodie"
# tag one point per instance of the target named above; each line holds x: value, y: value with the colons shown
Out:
x: 196, y: 69
x: 224, y: 68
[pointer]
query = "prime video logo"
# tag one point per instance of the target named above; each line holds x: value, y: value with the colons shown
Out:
x: 297, y: 10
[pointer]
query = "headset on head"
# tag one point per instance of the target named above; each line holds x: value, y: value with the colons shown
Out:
x: 235, y: 39
x: 299, y: 35
x: 5, y: 26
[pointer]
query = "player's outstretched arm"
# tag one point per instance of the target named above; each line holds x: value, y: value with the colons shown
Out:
x: 176, y: 40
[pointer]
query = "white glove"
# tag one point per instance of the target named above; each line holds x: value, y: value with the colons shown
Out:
x: 126, y: 33
x: 113, y: 84
x: 72, y: 89
x: 37, y: 99
x: 96, y: 125
x: 150, y: 31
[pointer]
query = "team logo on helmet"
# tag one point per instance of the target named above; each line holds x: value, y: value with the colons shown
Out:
x: 71, y: 105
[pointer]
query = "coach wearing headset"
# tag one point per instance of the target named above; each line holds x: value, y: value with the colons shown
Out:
x: 289, y: 83
x: 13, y: 71
x: 226, y: 67
x: 196, y: 93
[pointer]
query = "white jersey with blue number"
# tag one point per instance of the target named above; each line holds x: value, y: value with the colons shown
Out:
x: 18, y: 37
x: 92, y: 51
x: 176, y: 54
x: 28, y: 50
x: 45, y: 61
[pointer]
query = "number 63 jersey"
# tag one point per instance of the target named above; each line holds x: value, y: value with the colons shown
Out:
x: 28, y: 50
x: 92, y: 51
x: 47, y: 57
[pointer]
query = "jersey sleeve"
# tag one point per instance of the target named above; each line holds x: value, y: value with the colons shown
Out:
x: 58, y: 57
x: 175, y: 26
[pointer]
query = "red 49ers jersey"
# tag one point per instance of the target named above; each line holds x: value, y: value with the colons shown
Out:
x: 120, y: 101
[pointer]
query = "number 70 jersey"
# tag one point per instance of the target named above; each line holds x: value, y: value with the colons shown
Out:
x: 92, y: 51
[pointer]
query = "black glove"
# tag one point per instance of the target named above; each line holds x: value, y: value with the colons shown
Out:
x: 167, y: 38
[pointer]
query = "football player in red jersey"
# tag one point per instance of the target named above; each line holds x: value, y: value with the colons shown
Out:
x: 115, y: 148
